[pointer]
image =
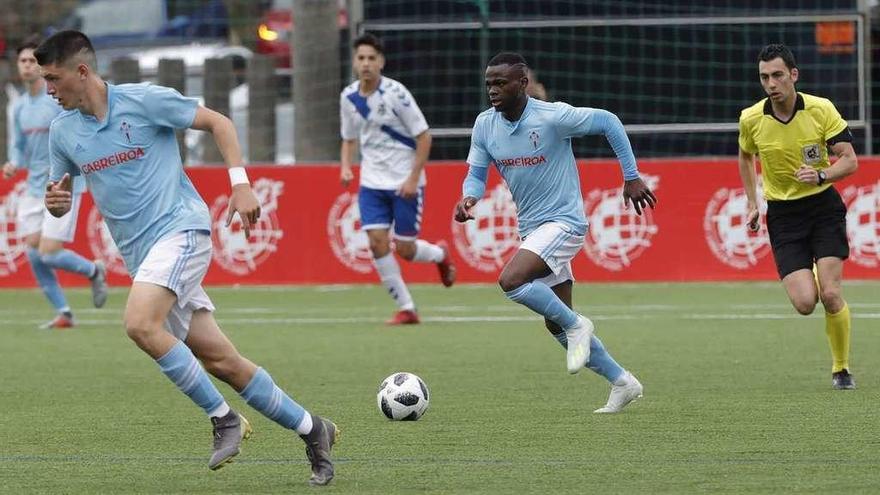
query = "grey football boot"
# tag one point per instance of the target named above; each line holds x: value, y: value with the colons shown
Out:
x: 229, y: 431
x: 319, y: 442
x: 99, y: 284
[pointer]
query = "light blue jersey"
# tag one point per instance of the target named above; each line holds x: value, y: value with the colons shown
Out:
x: 535, y: 158
x: 132, y: 165
x: 31, y: 116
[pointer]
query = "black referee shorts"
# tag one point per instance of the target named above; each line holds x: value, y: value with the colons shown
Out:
x: 806, y: 229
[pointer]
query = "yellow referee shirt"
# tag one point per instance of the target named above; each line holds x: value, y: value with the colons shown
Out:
x: 783, y: 146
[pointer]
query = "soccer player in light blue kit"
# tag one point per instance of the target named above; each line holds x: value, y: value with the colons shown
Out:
x: 121, y: 139
x: 44, y: 234
x: 530, y: 143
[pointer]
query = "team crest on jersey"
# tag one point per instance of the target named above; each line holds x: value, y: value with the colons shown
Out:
x: 533, y: 137
x: 725, y: 224
x: 491, y: 238
x: 381, y: 109
x: 617, y: 236
x: 235, y: 253
x: 125, y: 127
x: 863, y: 224
x: 12, y: 246
x: 812, y: 154
x: 101, y: 243
x: 349, y: 243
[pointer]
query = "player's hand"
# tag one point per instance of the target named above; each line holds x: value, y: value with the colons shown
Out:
x: 808, y: 175
x: 346, y: 175
x: 754, y: 217
x: 59, y: 197
x: 463, y: 209
x: 409, y: 189
x: 8, y: 170
x: 637, y: 193
x: 245, y: 203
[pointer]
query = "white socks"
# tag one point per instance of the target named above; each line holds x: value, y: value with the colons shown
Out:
x: 305, y: 426
x: 427, y: 252
x: 389, y: 273
x: 221, y: 411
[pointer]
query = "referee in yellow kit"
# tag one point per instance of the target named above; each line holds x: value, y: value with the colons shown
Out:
x: 791, y: 132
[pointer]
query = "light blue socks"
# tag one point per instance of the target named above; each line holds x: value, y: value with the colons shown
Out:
x: 263, y: 395
x: 67, y: 260
x: 181, y: 367
x: 48, y: 281
x: 541, y: 299
x: 600, y: 361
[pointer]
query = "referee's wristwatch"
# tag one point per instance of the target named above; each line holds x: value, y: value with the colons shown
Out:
x: 822, y: 178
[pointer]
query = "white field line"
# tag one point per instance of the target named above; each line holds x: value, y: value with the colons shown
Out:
x: 114, y: 322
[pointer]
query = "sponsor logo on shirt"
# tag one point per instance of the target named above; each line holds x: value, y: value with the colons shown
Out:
x: 523, y: 161
x: 117, y: 158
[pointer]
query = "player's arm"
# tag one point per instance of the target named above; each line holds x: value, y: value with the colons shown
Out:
x: 346, y: 151
x: 59, y: 187
x: 242, y: 198
x: 583, y: 121
x: 410, y: 187
x: 474, y: 185
x: 472, y: 190
x: 16, y: 147
x: 749, y: 181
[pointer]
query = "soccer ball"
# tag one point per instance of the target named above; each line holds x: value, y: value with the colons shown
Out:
x: 403, y: 397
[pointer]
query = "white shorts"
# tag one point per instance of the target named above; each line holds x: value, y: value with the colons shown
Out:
x: 179, y: 262
x: 33, y: 217
x: 557, y: 244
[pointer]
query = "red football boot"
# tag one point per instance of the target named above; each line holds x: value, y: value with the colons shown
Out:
x: 446, y: 267
x: 60, y: 322
x: 404, y: 317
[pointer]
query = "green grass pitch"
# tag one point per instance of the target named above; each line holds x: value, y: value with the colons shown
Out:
x: 737, y: 396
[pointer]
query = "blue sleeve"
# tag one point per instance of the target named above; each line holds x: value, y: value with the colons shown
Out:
x: 574, y: 122
x: 16, y: 147
x: 475, y: 182
x: 167, y: 108
x: 478, y: 156
x: 59, y: 163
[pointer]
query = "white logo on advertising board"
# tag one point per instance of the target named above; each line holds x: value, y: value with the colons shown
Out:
x: 725, y: 225
x: 863, y: 224
x: 487, y: 241
x: 617, y: 236
x: 349, y: 243
x: 12, y: 246
x: 232, y: 250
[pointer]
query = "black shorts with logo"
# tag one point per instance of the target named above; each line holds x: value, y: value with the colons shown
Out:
x: 806, y: 229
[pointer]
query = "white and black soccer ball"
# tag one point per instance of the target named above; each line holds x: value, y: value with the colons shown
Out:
x: 403, y: 397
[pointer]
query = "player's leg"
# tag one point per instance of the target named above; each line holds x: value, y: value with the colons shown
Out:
x: 407, y: 225
x: 258, y: 389
x: 547, y: 251
x: 57, y: 232
x: 158, y: 288
x: 625, y: 387
x: 29, y: 224
x: 831, y: 248
x: 376, y: 217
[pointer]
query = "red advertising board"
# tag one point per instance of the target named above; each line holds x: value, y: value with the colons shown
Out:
x: 309, y: 232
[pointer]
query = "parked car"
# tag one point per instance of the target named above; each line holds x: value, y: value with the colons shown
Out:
x: 275, y: 31
x: 139, y: 22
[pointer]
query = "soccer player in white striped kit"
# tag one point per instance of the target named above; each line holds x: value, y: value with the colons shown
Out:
x: 395, y: 143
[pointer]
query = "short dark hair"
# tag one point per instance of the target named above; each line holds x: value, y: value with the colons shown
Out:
x: 508, y: 58
x: 778, y: 50
x: 63, y: 46
x: 369, y: 40
x: 29, y: 43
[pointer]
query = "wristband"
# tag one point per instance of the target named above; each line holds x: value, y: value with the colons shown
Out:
x: 237, y: 175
